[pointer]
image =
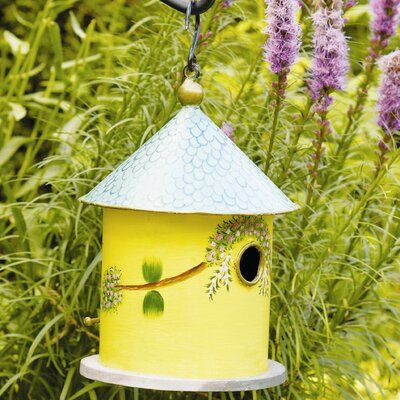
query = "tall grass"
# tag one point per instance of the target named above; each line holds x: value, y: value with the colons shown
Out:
x: 89, y: 83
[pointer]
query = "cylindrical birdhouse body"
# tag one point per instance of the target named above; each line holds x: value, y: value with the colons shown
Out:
x: 180, y: 323
x: 186, y: 274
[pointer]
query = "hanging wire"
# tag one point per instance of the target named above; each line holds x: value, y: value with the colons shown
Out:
x: 192, y: 69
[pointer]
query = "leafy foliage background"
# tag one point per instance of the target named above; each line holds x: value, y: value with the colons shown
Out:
x: 97, y: 80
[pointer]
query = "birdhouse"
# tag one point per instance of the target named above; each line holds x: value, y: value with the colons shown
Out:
x: 186, y: 268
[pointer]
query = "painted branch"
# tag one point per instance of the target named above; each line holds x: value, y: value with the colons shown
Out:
x: 168, y: 281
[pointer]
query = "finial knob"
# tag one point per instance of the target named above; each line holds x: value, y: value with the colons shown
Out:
x: 190, y: 93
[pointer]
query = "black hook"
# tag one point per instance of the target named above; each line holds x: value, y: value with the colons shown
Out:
x: 192, y: 65
x: 198, y: 7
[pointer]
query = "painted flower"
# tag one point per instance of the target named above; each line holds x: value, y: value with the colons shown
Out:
x: 219, y: 257
x: 111, y: 292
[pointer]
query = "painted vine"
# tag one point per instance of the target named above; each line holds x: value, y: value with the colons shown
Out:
x: 220, y: 248
x: 218, y: 257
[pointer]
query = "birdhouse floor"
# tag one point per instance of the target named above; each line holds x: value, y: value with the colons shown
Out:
x: 92, y: 368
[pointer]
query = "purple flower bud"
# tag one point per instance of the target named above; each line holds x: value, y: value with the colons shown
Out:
x: 228, y: 129
x: 389, y: 98
x: 283, y: 43
x: 385, y: 42
x: 349, y: 3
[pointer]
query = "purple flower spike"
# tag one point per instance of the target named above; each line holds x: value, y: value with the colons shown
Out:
x: 283, y: 43
x: 389, y: 93
x: 385, y: 20
x: 330, y: 58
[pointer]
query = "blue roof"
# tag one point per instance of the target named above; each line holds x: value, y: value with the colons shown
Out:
x: 190, y: 166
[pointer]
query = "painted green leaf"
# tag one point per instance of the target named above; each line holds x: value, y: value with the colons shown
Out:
x: 153, y: 304
x: 152, y: 269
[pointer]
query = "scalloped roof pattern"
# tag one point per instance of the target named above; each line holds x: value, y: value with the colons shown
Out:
x: 190, y: 166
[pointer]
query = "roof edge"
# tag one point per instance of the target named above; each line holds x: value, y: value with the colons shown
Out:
x: 287, y: 211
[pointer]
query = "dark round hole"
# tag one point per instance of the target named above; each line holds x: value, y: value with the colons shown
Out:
x: 249, y: 263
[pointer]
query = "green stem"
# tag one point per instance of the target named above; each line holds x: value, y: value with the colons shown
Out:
x: 296, y: 137
x: 210, y: 15
x: 243, y: 86
x: 386, y: 257
x: 356, y: 234
x: 330, y: 249
x: 279, y: 95
x: 313, y: 175
x: 354, y: 113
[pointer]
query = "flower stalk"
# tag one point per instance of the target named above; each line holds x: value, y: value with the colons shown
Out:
x: 293, y: 146
x: 281, y: 50
x: 330, y: 65
x: 389, y: 120
x: 383, y: 26
x: 278, y: 96
x: 324, y: 128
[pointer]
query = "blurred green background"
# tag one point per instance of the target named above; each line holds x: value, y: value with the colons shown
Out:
x: 85, y: 83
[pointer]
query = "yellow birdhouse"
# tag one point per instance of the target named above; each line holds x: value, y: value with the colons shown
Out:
x: 186, y: 271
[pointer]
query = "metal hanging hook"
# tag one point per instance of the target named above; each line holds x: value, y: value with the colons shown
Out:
x: 192, y: 67
x: 198, y: 7
x: 188, y: 14
x: 191, y: 7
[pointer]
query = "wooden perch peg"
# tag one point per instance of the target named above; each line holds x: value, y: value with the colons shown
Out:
x: 88, y: 321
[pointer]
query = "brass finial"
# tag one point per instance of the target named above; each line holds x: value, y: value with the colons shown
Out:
x: 190, y: 93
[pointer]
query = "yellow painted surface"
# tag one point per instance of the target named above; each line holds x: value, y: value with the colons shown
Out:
x: 195, y: 337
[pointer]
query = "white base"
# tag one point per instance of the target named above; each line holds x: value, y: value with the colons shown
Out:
x: 92, y: 368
